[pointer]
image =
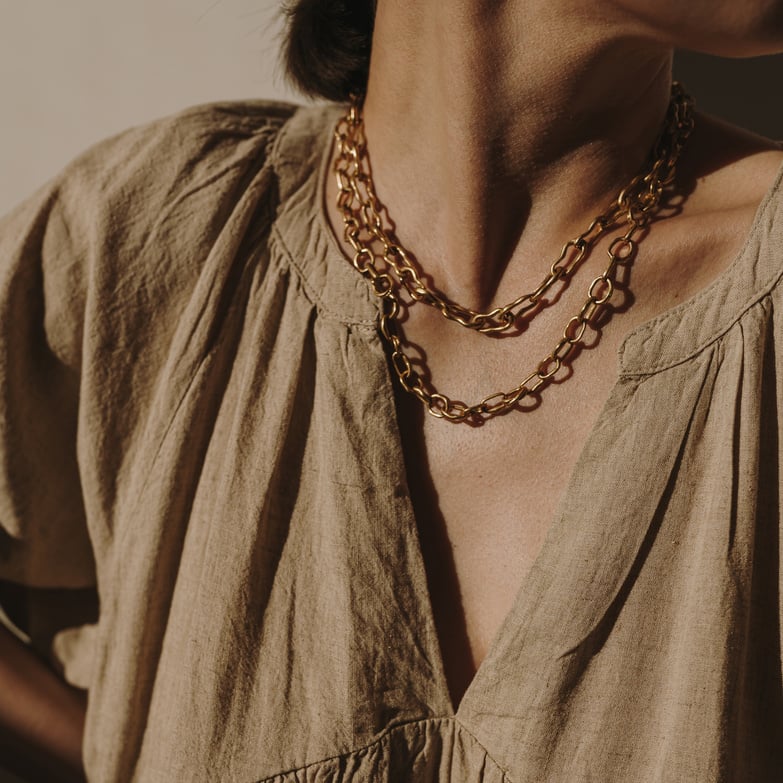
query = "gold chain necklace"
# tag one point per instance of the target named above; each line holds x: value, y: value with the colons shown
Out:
x: 389, y: 266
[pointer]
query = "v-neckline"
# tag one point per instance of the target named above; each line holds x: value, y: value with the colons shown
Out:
x: 533, y: 586
x: 544, y: 561
x: 547, y: 551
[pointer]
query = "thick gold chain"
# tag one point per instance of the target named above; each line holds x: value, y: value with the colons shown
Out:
x: 388, y: 266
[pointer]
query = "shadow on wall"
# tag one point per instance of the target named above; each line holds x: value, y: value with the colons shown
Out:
x: 744, y: 92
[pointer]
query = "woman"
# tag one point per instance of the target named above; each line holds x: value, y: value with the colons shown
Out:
x: 302, y: 575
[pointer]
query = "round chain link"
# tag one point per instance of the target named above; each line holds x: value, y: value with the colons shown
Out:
x: 391, y: 267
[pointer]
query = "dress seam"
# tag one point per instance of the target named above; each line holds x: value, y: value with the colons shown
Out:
x: 758, y: 299
x: 312, y: 294
x: 382, y: 738
x: 280, y: 159
x: 478, y: 742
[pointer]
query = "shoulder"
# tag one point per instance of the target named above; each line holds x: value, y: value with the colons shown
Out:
x: 127, y: 180
x: 156, y: 160
x: 717, y: 250
x: 730, y: 198
x: 128, y: 228
x: 184, y: 132
x: 169, y: 181
x: 729, y: 171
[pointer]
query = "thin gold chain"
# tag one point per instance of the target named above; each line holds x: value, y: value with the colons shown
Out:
x: 389, y: 266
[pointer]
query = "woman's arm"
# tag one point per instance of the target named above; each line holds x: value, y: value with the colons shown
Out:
x: 41, y: 717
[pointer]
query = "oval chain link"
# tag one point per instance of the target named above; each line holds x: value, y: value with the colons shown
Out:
x: 361, y: 212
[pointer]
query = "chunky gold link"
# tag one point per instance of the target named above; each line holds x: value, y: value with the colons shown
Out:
x: 362, y: 215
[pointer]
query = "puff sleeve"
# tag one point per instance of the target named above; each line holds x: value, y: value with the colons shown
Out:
x: 44, y: 540
x: 96, y: 270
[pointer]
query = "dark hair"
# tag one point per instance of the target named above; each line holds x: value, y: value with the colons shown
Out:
x: 326, y: 51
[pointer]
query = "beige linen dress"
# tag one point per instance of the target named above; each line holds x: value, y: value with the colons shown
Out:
x: 197, y: 420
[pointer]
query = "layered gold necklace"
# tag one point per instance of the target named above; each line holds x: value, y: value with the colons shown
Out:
x: 391, y: 268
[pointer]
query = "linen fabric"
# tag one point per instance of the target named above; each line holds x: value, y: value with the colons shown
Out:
x: 197, y: 422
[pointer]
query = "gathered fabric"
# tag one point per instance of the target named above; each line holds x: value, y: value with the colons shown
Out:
x: 198, y: 428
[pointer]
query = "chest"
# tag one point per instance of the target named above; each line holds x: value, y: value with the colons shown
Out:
x: 484, y: 497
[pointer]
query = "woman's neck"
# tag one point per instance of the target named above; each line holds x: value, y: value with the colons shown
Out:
x: 497, y: 128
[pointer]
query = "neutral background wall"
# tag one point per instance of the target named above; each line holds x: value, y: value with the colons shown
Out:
x: 74, y: 72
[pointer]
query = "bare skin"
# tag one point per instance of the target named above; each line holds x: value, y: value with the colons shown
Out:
x: 496, y: 131
x: 41, y: 717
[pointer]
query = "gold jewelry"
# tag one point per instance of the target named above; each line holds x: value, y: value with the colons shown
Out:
x: 389, y: 266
